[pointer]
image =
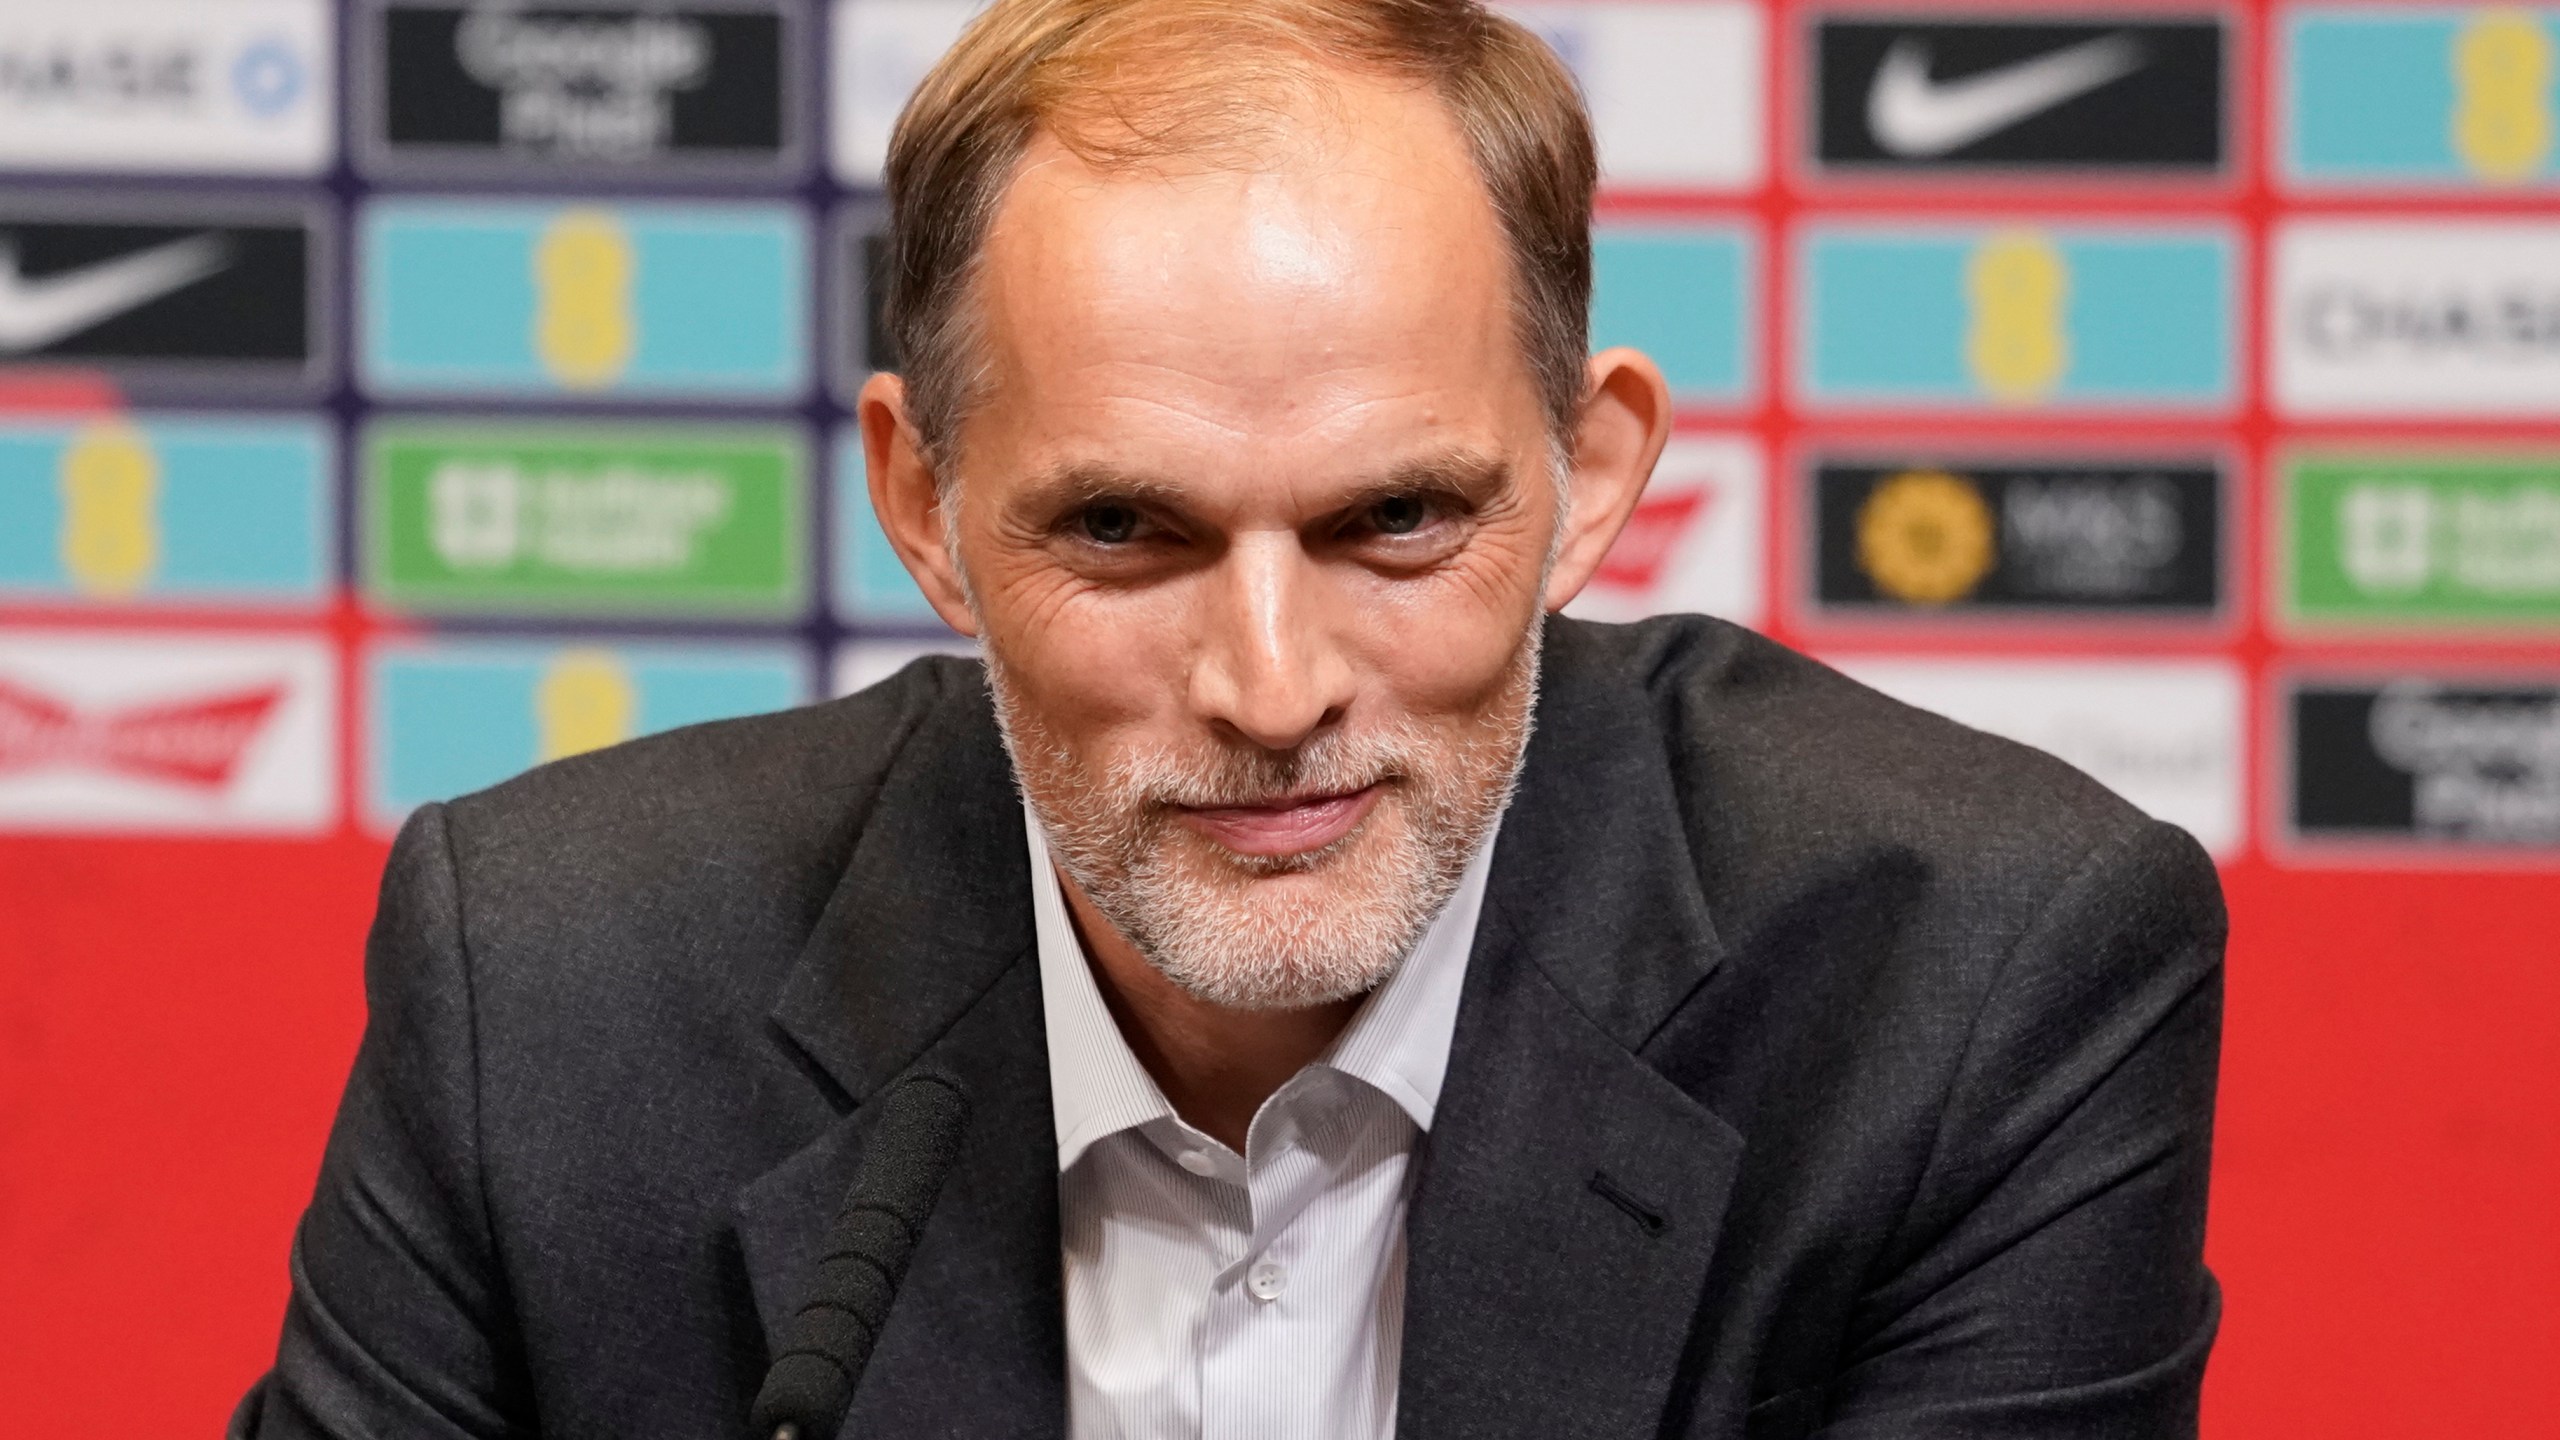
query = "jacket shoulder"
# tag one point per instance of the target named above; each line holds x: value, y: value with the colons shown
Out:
x: 1786, y: 766
x: 681, y: 873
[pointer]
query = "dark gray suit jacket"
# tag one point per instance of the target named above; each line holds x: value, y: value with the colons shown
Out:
x: 1822, y: 1067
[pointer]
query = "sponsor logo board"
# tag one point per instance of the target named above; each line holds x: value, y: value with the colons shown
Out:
x: 2403, y: 97
x: 859, y: 342
x: 240, y: 87
x: 2164, y: 734
x: 639, y: 299
x: 861, y: 664
x: 872, y: 583
x: 2422, y: 540
x: 663, y: 520
x: 1674, y: 86
x: 1675, y: 90
x: 879, y: 50
x: 139, y: 731
x: 453, y: 716
x: 706, y: 85
x: 214, y: 294
x: 166, y: 509
x: 2416, y: 763
x: 2017, y: 317
x: 1682, y: 293
x: 1694, y: 544
x: 2035, y: 92
x: 2417, y: 317
x: 2067, y: 538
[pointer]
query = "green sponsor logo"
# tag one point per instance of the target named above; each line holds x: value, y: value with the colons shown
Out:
x: 2461, y: 541
x: 667, y: 520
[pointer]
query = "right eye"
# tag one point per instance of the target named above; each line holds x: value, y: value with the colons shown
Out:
x: 1108, y: 522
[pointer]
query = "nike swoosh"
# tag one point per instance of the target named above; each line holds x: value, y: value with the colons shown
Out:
x: 35, y: 313
x: 1914, y: 116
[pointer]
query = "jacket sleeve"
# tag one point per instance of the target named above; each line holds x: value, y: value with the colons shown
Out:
x: 397, y: 1324
x: 2049, y: 1279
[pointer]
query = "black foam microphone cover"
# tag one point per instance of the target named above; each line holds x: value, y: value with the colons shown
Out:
x: 828, y: 1342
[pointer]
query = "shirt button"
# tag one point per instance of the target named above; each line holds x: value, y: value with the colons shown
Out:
x: 1198, y: 1162
x: 1267, y: 1280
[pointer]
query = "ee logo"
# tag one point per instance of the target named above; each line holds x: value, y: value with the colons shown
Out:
x: 584, y: 702
x: 2502, y: 64
x: 110, y: 511
x: 2017, y: 285
x: 583, y: 328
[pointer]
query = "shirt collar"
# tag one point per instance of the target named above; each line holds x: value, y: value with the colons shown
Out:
x: 1398, y: 1041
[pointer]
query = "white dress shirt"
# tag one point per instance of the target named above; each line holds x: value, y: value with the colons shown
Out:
x: 1241, y: 1297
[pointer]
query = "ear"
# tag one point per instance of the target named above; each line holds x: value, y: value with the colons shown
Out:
x: 907, y: 499
x: 1626, y: 418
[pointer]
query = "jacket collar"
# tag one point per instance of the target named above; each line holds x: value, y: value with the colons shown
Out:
x: 934, y: 904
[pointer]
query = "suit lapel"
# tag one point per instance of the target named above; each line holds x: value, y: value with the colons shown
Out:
x: 925, y: 951
x: 1570, y: 1196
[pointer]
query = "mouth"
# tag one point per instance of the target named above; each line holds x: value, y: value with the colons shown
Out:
x: 1283, y: 828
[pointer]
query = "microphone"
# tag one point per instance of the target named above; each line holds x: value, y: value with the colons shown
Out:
x: 827, y: 1344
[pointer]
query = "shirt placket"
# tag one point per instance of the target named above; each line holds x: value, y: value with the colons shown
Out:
x: 1267, y: 1323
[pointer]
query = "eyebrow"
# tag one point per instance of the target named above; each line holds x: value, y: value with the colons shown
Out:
x: 1468, y: 475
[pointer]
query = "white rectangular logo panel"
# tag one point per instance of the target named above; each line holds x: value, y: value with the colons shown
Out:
x: 167, y: 731
x: 1675, y: 87
x: 882, y: 49
x: 2167, y: 735
x: 2417, y: 318
x: 239, y: 86
x: 1695, y: 543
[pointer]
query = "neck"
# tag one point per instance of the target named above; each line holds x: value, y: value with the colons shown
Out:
x: 1215, y: 1064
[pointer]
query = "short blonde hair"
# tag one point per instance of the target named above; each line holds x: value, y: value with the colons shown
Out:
x: 1124, y: 82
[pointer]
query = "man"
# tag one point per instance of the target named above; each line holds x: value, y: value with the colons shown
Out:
x: 1389, y: 1010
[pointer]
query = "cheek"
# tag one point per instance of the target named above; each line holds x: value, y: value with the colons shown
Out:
x: 1444, y: 646
x: 1094, y: 666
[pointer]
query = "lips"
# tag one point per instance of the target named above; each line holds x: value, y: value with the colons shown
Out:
x: 1292, y: 827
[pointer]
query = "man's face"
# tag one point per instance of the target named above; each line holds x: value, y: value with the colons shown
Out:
x: 1254, y: 520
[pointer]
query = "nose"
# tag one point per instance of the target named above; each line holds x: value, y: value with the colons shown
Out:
x: 1271, y: 671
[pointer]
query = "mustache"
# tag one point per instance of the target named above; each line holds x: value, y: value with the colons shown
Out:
x: 1240, y: 778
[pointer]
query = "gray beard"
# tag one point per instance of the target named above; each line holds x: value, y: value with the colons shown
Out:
x: 1275, y: 933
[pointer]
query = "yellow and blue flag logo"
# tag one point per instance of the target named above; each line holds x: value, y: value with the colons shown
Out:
x: 166, y: 509
x: 2016, y: 318
x: 2432, y: 98
x: 453, y: 716
x: 659, y: 300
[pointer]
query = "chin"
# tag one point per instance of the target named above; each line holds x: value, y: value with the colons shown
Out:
x: 1333, y: 924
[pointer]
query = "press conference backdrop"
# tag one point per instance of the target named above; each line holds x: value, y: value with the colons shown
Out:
x: 397, y: 395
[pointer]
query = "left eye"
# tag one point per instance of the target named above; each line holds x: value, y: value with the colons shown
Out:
x: 1400, y: 514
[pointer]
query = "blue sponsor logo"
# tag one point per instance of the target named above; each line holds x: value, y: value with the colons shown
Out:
x: 165, y: 509
x: 268, y: 76
x: 600, y: 300
x: 449, y: 717
x: 872, y: 583
x: 2423, y: 98
x: 1681, y: 294
x: 2017, y: 317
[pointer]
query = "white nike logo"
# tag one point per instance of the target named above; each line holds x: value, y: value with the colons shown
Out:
x: 1912, y: 115
x: 35, y: 313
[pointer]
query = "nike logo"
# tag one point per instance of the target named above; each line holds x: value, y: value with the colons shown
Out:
x: 36, y: 313
x: 1914, y: 116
